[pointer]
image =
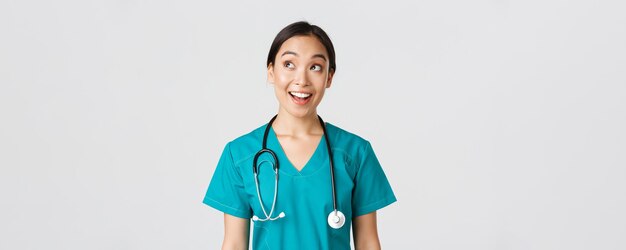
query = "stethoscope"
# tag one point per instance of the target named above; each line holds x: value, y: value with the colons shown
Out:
x: 336, y: 219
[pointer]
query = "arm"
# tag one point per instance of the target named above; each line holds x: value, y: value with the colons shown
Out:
x: 236, y: 233
x: 365, y: 232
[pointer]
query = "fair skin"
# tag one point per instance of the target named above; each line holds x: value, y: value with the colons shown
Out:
x: 300, y: 75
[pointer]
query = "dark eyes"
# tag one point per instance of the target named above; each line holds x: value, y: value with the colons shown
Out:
x: 290, y: 65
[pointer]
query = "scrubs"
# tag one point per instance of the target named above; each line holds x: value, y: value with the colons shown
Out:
x: 304, y: 196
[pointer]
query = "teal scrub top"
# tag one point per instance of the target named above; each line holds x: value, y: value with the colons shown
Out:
x: 304, y: 196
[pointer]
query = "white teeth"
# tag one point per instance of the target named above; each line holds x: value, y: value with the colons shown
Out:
x: 301, y: 95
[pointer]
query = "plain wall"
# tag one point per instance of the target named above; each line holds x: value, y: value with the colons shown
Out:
x: 500, y: 124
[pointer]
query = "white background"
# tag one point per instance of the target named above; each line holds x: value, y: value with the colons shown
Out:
x: 500, y: 124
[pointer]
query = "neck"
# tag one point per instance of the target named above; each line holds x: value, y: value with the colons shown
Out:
x: 287, y: 124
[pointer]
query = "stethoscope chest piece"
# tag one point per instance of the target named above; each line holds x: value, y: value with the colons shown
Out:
x: 336, y: 219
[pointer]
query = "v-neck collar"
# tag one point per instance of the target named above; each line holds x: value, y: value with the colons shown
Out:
x: 315, y: 162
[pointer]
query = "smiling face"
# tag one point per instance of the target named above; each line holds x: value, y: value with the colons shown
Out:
x: 300, y: 75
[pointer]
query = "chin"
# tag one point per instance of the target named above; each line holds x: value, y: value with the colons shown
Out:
x: 299, y: 112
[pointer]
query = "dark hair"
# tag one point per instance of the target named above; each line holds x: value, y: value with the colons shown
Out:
x: 302, y: 28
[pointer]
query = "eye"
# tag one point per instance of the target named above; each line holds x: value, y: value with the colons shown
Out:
x: 289, y: 65
x: 316, y: 67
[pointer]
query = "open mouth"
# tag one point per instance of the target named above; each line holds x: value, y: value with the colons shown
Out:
x: 299, y: 97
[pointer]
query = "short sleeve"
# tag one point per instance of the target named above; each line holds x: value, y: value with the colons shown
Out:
x: 226, y: 190
x: 372, y: 190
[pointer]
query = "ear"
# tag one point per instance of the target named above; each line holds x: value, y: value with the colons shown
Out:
x: 270, y: 73
x: 329, y: 81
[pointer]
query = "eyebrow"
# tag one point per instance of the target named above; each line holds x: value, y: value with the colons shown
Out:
x: 296, y: 54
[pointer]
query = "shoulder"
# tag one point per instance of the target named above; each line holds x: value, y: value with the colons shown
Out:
x: 250, y: 137
x: 342, y: 135
x: 246, y: 145
x: 347, y: 142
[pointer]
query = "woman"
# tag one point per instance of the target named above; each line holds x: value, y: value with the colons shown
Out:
x: 320, y: 180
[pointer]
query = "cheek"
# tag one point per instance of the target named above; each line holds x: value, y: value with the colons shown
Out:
x: 283, y: 78
x: 320, y: 80
x: 283, y: 75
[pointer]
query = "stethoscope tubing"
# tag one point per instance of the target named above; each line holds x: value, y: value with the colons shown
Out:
x: 256, y: 182
x: 330, y: 155
x: 335, y: 221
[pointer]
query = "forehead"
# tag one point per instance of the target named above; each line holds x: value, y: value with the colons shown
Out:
x: 303, y: 45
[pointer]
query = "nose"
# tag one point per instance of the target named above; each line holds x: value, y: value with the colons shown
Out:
x: 301, y: 78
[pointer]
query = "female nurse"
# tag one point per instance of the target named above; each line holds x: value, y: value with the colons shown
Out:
x: 318, y: 181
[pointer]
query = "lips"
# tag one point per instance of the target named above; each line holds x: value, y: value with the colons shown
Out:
x: 300, y: 98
